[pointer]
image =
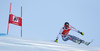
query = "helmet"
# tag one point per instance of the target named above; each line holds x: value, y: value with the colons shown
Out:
x: 66, y: 25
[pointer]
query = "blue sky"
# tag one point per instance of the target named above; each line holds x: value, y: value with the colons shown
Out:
x: 42, y: 19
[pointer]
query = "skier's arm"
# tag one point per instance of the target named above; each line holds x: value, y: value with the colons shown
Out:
x: 58, y: 35
x: 74, y: 29
x: 57, y: 38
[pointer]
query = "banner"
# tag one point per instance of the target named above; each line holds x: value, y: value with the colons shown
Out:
x: 15, y: 20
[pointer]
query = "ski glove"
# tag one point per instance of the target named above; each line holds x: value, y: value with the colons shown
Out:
x: 56, y: 40
x: 81, y: 33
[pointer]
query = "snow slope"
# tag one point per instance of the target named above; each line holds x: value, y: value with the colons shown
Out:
x: 12, y: 43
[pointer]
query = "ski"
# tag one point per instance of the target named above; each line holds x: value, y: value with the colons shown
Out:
x: 90, y: 42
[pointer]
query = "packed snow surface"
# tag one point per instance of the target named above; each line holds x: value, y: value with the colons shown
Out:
x: 12, y: 43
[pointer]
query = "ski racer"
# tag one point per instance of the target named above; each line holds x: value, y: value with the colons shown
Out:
x: 64, y: 32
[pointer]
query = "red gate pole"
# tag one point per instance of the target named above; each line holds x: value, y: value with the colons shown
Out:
x: 8, y: 21
x: 21, y: 31
x: 8, y: 29
x: 21, y: 11
x: 21, y: 17
x: 10, y: 8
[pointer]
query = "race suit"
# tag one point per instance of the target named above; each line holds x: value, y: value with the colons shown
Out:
x: 65, y: 34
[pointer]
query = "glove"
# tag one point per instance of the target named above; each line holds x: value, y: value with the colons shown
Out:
x: 56, y: 40
x: 81, y: 33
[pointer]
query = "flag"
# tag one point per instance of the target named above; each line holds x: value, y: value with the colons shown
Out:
x: 15, y: 20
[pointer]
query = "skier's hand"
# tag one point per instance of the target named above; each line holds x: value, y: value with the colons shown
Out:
x: 56, y: 40
x: 81, y: 33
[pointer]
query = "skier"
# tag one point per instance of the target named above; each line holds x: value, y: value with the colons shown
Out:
x: 64, y: 32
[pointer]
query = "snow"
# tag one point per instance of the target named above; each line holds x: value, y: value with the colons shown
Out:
x: 13, y: 43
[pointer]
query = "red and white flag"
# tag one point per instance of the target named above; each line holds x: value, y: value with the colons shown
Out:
x: 15, y: 20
